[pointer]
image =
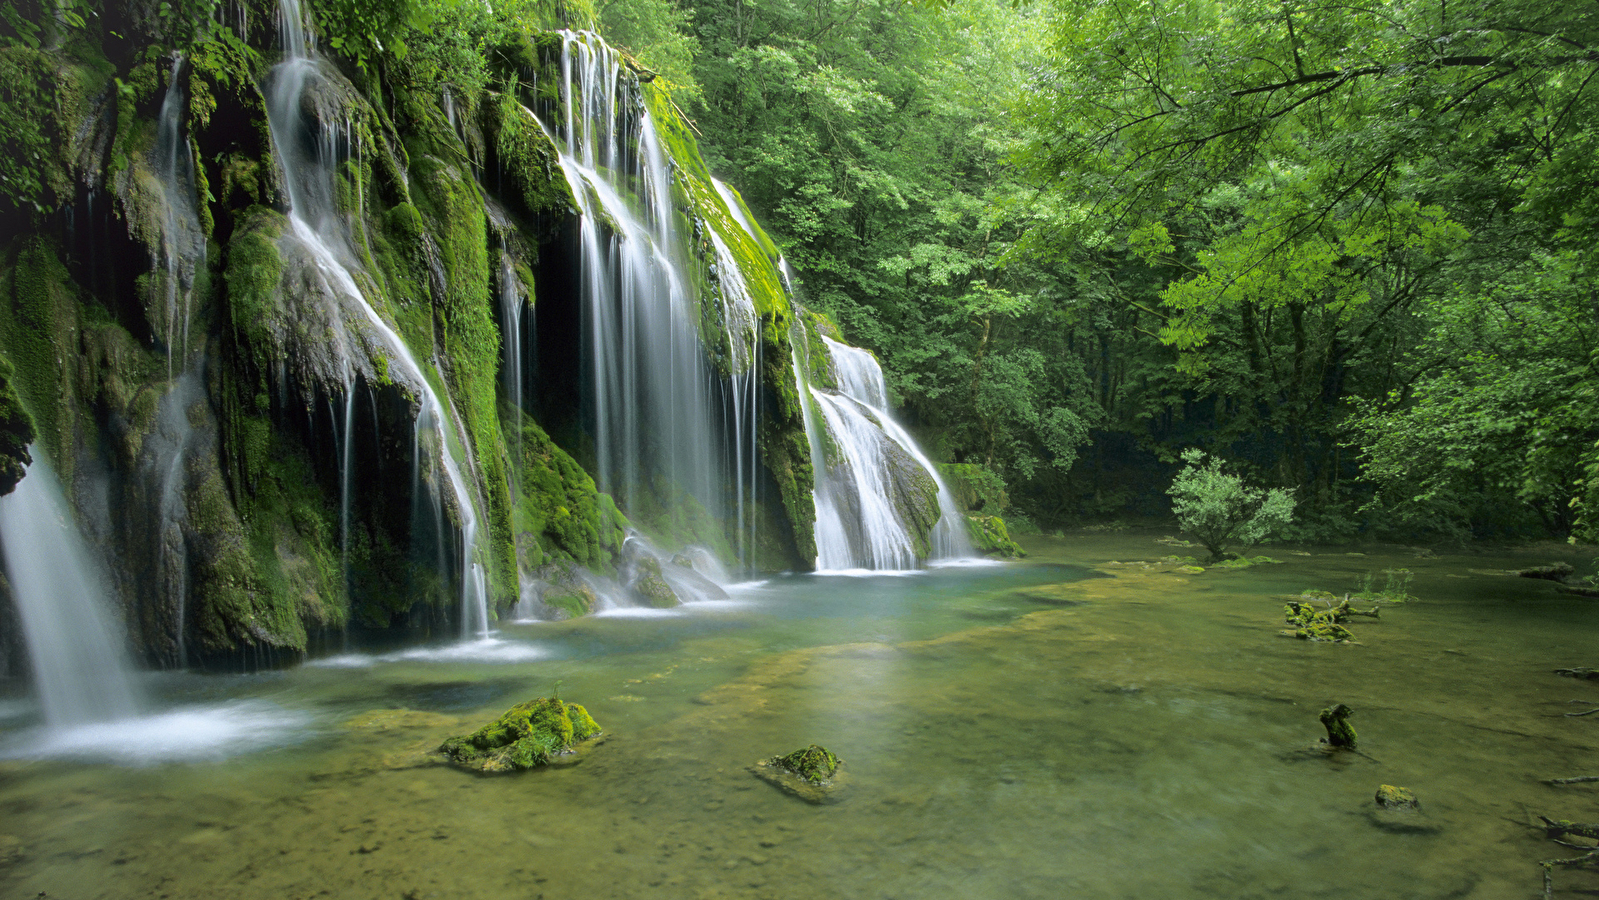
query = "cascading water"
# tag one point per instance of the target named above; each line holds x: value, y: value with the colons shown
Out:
x: 79, y: 666
x: 318, y: 229
x: 182, y: 245
x: 182, y: 240
x: 859, y: 524
x: 654, y: 402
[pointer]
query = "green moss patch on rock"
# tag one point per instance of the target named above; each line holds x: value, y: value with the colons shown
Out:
x: 809, y: 773
x: 989, y: 535
x: 527, y: 736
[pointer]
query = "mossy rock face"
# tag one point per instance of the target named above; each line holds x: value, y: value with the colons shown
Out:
x: 810, y: 773
x: 527, y: 736
x: 976, y: 487
x: 989, y: 535
x: 16, y: 432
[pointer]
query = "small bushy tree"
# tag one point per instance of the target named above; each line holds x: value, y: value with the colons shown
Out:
x: 1222, y: 511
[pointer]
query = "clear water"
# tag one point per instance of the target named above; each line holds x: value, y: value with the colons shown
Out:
x: 1009, y: 731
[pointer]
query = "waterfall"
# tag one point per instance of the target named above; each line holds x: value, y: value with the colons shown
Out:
x: 656, y: 407
x: 317, y: 228
x: 182, y: 245
x: 182, y: 241
x: 858, y: 520
x: 79, y: 665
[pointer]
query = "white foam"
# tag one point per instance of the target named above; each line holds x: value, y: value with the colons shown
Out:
x: 180, y: 735
x: 869, y: 573
x: 345, y: 661
x: 637, y: 612
x: 965, y: 562
x: 487, y: 649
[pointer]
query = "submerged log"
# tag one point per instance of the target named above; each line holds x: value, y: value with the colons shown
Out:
x: 1340, y: 734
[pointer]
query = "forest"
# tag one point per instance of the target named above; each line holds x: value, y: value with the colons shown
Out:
x: 798, y: 448
x: 1349, y: 249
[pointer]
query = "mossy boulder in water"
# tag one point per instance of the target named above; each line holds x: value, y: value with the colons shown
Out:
x: 1340, y: 734
x: 810, y: 773
x: 529, y: 735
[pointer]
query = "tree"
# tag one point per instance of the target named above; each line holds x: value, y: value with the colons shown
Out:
x: 1220, y: 509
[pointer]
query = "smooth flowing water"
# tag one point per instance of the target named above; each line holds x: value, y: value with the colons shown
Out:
x: 80, y: 669
x: 319, y: 230
x: 1024, y: 730
x: 858, y: 524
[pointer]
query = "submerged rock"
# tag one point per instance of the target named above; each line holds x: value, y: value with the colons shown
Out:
x: 1397, y: 809
x: 1392, y: 797
x: 1551, y: 572
x: 527, y: 736
x: 810, y: 773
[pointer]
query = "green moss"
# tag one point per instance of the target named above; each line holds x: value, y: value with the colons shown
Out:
x: 976, y: 487
x: 16, y: 431
x: 529, y: 163
x: 40, y: 321
x: 528, y: 735
x: 989, y: 535
x: 815, y: 763
x: 560, y: 506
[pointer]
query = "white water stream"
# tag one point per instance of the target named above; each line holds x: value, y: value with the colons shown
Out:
x: 857, y: 522
x: 79, y: 666
x: 318, y: 227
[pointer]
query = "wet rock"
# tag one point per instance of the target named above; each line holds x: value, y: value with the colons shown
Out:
x: 563, y: 592
x: 1340, y: 734
x: 527, y: 736
x: 810, y: 773
x: 650, y: 587
x: 688, y: 583
x: 1398, y: 810
x: 1392, y: 797
x: 1551, y: 572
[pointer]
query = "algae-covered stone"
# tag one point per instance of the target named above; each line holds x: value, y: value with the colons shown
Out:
x: 810, y: 773
x: 1398, y: 810
x: 1340, y: 734
x: 1392, y: 797
x: 528, y: 735
x: 815, y: 763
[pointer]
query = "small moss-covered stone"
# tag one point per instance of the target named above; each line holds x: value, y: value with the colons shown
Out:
x: 528, y: 735
x: 811, y: 773
x: 1392, y: 797
x: 815, y: 763
x: 1340, y: 734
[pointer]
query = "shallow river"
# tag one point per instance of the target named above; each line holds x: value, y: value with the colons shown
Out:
x: 1077, y: 725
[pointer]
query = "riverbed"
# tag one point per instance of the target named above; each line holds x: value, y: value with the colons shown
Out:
x: 1090, y: 722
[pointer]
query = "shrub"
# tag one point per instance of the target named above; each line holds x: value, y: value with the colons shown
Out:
x: 1221, y: 510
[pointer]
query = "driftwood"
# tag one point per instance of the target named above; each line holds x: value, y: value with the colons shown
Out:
x: 1575, y: 779
x: 1557, y: 829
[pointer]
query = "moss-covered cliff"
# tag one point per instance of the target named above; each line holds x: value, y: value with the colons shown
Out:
x: 234, y: 421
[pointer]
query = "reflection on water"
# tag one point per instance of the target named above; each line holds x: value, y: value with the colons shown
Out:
x: 1015, y: 731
